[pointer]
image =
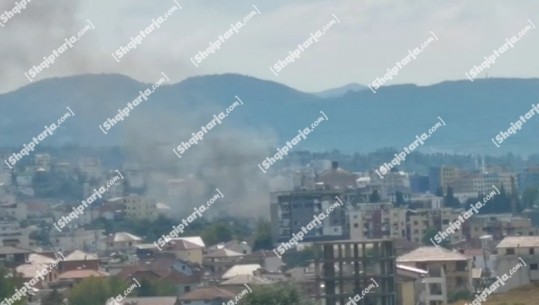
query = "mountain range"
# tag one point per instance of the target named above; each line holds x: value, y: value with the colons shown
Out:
x: 358, y: 120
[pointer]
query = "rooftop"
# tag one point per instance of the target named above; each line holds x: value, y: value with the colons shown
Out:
x: 79, y: 255
x: 124, y: 237
x: 519, y: 241
x: 247, y: 269
x: 224, y: 252
x: 431, y: 254
x: 208, y: 293
x: 247, y: 279
x: 13, y: 250
x: 146, y: 301
x: 81, y: 274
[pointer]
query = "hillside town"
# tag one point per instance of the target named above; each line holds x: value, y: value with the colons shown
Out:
x: 406, y: 238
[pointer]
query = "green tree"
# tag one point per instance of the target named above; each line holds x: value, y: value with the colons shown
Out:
x: 530, y: 196
x: 93, y: 290
x: 429, y: 237
x: 262, y: 239
x: 216, y: 233
x: 450, y: 200
x: 293, y: 258
x: 8, y: 285
x: 440, y: 192
x: 53, y: 298
x: 374, y: 197
x: 277, y: 294
x: 155, y: 289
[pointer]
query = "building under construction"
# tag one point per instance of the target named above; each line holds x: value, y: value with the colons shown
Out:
x: 351, y: 270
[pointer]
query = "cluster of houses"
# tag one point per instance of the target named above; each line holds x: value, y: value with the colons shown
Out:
x: 200, y: 274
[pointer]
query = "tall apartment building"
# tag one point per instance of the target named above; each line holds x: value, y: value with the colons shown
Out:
x: 393, y: 182
x: 377, y: 220
x: 290, y: 211
x: 139, y: 207
x: 344, y: 269
x: 420, y: 220
x: 443, y: 177
x: 499, y: 226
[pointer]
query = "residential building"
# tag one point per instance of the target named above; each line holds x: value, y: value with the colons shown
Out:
x: 411, y: 285
x: 270, y: 261
x: 16, y: 210
x: 237, y: 283
x: 146, y: 301
x: 346, y: 268
x: 12, y: 256
x: 217, y: 261
x: 12, y: 234
x: 120, y: 242
x: 444, y: 266
x: 290, y: 211
x: 234, y: 245
x: 184, y: 275
x: 377, y: 220
x: 207, y: 296
x: 421, y: 220
x: 236, y: 270
x: 304, y: 278
x: 139, y: 207
x: 337, y: 178
x: 394, y: 182
x: 85, y: 240
x: 76, y: 276
x: 499, y: 226
x: 38, y: 262
x: 79, y: 260
x: 517, y: 258
x: 481, y: 183
x: 189, y: 249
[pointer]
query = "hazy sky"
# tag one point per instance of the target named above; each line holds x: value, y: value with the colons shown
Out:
x: 370, y: 38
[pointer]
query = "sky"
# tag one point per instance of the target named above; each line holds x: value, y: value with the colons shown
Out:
x: 369, y: 38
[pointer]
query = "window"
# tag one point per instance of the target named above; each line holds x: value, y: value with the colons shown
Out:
x: 532, y: 251
x: 415, y: 223
x: 186, y: 289
x: 533, y: 267
x: 509, y: 251
x: 356, y: 225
